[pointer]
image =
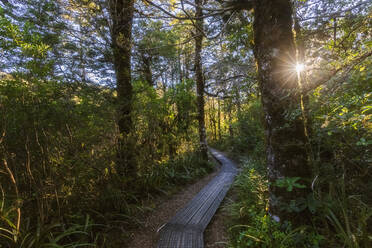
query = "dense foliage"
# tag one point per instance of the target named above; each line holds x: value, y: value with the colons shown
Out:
x: 340, y: 201
x: 58, y: 147
x: 61, y: 182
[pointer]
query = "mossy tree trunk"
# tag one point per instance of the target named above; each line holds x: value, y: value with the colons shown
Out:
x: 200, y: 79
x: 286, y: 153
x: 121, y: 12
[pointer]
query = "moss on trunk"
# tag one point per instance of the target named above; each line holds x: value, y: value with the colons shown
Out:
x: 284, y: 129
x: 122, y: 18
x: 199, y: 78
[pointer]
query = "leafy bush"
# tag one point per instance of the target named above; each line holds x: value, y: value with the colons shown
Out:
x: 248, y: 132
x: 342, y: 155
x: 59, y: 141
x: 252, y: 226
x: 341, y: 187
x: 181, y: 170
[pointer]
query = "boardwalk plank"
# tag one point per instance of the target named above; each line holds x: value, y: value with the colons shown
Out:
x: 185, y: 229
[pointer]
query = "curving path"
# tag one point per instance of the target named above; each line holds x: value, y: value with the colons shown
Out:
x: 185, y: 229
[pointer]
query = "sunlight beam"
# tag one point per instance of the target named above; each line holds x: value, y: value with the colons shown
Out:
x: 300, y: 67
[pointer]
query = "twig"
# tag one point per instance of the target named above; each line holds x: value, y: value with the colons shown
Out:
x: 17, y: 195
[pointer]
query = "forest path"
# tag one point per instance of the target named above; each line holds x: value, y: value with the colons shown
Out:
x: 185, y: 229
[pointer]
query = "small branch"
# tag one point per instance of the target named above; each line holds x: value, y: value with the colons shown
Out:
x: 181, y: 17
x: 12, y: 179
x: 216, y: 95
x: 2, y: 137
x: 234, y: 77
x: 191, y: 19
x: 237, y: 4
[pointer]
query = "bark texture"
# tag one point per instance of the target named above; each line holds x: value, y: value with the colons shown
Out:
x: 275, y: 54
x: 199, y: 78
x: 121, y: 12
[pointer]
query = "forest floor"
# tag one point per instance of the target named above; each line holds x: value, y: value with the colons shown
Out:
x: 215, y: 235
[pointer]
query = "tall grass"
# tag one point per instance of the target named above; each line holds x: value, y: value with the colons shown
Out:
x: 45, y: 235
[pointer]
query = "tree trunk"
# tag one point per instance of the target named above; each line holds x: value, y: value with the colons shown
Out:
x: 212, y: 116
x: 179, y: 62
x: 121, y: 12
x: 199, y: 78
x: 284, y: 129
x: 229, y: 114
x: 238, y: 105
x: 305, y: 99
x: 219, y: 120
x: 146, y: 69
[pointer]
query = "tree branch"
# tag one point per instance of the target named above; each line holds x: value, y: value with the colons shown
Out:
x: 181, y: 17
x: 216, y: 95
x: 308, y: 87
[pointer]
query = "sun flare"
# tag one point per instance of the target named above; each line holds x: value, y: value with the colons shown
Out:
x: 300, y: 67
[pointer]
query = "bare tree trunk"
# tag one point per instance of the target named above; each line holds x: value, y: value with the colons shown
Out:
x: 237, y: 103
x: 146, y: 69
x: 186, y: 66
x: 199, y: 78
x: 121, y: 12
x: 179, y: 62
x: 219, y: 119
x: 285, y: 138
x: 229, y: 114
x: 212, y: 117
x: 301, y: 77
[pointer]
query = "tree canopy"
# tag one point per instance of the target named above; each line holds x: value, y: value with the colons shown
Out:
x: 107, y: 105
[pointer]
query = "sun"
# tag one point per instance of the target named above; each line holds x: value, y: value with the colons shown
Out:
x: 300, y: 67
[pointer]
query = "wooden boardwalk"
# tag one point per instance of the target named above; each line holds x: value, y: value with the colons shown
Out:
x: 185, y: 229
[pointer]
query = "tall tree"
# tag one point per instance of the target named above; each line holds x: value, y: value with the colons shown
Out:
x: 286, y: 141
x: 286, y: 153
x: 199, y: 77
x: 121, y: 12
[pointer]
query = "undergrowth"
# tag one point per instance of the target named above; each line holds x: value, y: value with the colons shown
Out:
x: 94, y: 228
x: 340, y: 199
x: 58, y: 162
x: 251, y: 225
x: 338, y: 220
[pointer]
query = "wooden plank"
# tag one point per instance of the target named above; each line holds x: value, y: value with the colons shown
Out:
x: 192, y: 207
x: 185, y: 229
